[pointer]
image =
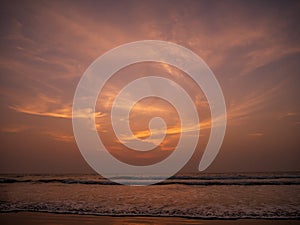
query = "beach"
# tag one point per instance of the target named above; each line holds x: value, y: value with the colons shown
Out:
x: 31, y: 218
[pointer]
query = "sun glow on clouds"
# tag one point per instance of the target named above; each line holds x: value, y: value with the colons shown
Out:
x: 253, y: 51
x: 14, y: 129
x: 60, y: 136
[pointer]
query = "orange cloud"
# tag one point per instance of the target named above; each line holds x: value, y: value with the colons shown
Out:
x: 43, y: 105
x: 257, y: 134
x: 14, y: 129
x: 58, y: 136
x: 253, y: 103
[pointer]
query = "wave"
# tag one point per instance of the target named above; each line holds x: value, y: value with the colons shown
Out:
x: 178, y: 180
x: 63, y: 181
x: 238, y: 177
x: 190, y: 196
x: 221, y: 215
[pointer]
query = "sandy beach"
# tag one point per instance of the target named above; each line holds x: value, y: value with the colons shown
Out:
x: 31, y: 218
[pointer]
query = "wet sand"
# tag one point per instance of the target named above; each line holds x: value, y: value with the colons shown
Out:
x: 30, y: 218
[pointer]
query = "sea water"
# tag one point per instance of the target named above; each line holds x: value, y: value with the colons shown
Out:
x: 207, y: 196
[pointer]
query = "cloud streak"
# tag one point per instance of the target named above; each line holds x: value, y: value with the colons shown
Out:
x: 251, y: 47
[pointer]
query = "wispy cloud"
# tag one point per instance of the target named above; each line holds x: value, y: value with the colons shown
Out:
x: 15, y: 129
x: 58, y: 136
x: 47, y: 45
x: 256, y: 134
x: 43, y: 105
x: 237, y: 114
x: 55, y: 135
x: 252, y: 104
x: 289, y: 114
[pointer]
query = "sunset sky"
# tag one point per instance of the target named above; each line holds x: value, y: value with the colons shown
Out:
x: 253, y: 48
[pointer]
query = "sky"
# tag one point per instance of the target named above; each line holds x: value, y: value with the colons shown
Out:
x: 253, y: 48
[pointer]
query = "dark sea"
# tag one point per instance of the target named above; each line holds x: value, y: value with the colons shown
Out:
x: 206, y: 196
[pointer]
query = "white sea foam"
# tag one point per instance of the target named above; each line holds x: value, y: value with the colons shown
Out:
x: 214, y: 197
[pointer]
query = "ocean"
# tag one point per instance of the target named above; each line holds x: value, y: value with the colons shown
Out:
x: 205, y: 196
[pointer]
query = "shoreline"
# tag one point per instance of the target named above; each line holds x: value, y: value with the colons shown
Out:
x: 32, y: 218
x: 141, y: 215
